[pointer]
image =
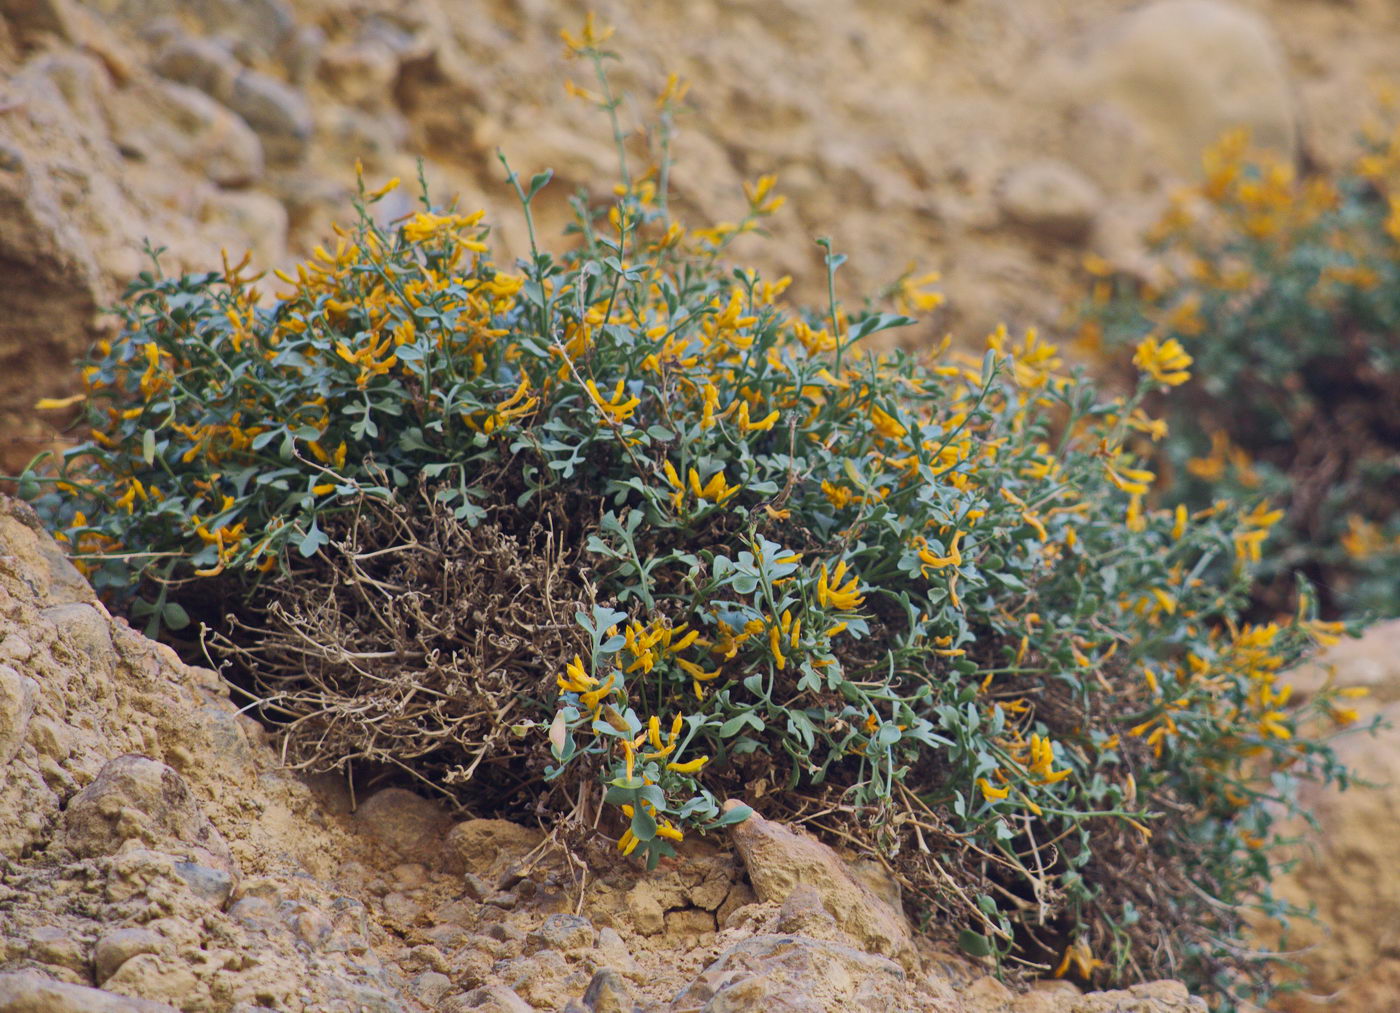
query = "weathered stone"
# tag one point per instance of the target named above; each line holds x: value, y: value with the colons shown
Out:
x: 120, y: 945
x: 18, y: 694
x: 789, y: 974
x: 276, y: 111
x: 137, y: 797
x: 34, y: 20
x: 49, y: 944
x: 486, y: 847
x: 31, y: 993
x: 188, y: 125
x: 488, y: 999
x: 613, y: 952
x: 608, y: 993
x: 208, y: 884
x: 1162, y: 81
x: 780, y: 859
x: 83, y: 627
x: 200, y: 63
x: 408, y: 824
x: 1051, y: 199
x: 569, y: 933
x: 430, y: 987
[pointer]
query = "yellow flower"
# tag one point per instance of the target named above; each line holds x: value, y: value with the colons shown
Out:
x: 886, y: 425
x: 426, y: 226
x: 761, y: 426
x: 1134, y: 481
x: 990, y: 793
x: 387, y: 188
x: 55, y: 403
x: 932, y: 561
x: 1166, y: 362
x: 831, y: 594
x: 591, y: 37
x: 716, y: 490
x: 1081, y: 957
x: 690, y: 766
x: 1254, y: 530
x: 614, y: 408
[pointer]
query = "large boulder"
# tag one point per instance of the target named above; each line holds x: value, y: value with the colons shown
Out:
x: 1157, y: 85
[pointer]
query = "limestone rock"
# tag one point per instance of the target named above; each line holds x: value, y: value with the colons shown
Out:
x: 118, y: 946
x: 567, y: 933
x: 608, y: 993
x: 183, y: 122
x: 790, y: 974
x: 780, y: 859
x: 33, y: 993
x: 277, y: 112
x: 135, y: 797
x: 17, y: 696
x: 1160, y: 83
x: 486, y: 847
x: 1050, y: 199
x: 488, y: 999
x: 47, y: 574
x: 411, y: 825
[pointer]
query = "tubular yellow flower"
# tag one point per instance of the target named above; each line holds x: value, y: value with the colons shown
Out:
x: 831, y: 594
x: 886, y: 425
x: 1134, y: 481
x: 575, y: 679
x: 1166, y: 362
x: 716, y: 490
x: 936, y: 562
x: 615, y: 408
x: 990, y: 793
x: 591, y: 37
x: 668, y: 831
x: 387, y: 188
x: 690, y: 766
x: 592, y: 699
x: 775, y: 644
x: 761, y: 426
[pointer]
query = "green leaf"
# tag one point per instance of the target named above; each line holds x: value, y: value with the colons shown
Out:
x: 148, y: 446
x: 736, y: 815
x: 879, y: 322
x: 974, y: 943
x: 733, y: 726
x: 312, y: 541
x: 174, y: 616
x: 538, y: 182
x: 642, y: 824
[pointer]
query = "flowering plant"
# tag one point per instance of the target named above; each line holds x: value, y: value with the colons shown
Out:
x: 613, y: 533
x: 1284, y: 291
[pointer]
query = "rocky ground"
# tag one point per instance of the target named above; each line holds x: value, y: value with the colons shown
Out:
x: 153, y: 856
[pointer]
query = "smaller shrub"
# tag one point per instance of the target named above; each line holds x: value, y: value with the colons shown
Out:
x: 614, y: 534
x: 1286, y: 290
